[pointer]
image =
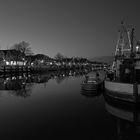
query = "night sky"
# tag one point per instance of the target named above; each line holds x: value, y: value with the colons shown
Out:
x: 87, y: 28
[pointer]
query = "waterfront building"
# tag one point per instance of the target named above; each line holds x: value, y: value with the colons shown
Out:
x: 11, y: 57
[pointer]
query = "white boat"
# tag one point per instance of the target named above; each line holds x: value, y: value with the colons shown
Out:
x: 125, y: 81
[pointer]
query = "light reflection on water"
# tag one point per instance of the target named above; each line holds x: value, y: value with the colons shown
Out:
x: 126, y: 116
x: 52, y: 104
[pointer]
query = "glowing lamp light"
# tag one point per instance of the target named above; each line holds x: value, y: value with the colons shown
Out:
x: 42, y: 61
x: 137, y: 48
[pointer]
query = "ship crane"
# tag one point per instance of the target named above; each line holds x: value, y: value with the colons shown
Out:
x: 123, y: 46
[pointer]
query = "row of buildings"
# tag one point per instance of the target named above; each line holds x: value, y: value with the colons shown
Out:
x: 16, y: 58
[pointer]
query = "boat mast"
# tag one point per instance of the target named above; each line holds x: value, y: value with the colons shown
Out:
x: 123, y: 47
x: 132, y: 57
x: 132, y: 38
x: 125, y: 41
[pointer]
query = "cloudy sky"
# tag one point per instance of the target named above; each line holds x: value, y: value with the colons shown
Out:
x: 87, y: 28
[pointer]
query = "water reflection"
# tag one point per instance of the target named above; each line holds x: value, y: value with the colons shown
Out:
x: 127, y: 117
x: 21, y: 85
x: 16, y: 85
x: 60, y: 76
x: 90, y: 94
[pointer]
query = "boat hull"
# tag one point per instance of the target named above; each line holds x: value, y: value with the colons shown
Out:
x: 122, y: 91
x: 92, y: 86
x: 89, y: 87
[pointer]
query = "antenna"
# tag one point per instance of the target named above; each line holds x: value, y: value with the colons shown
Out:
x: 132, y: 37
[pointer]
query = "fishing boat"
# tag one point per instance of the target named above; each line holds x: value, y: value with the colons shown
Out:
x: 124, y: 81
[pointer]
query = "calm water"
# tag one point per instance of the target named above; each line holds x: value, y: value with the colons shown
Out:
x: 53, y: 105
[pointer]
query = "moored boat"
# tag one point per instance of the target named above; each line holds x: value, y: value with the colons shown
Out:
x: 125, y: 81
x: 92, y: 83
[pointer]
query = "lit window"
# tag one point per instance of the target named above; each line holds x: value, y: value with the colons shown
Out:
x: 7, y: 63
x: 42, y: 61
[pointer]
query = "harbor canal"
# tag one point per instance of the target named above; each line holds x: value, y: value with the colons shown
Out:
x: 52, y: 105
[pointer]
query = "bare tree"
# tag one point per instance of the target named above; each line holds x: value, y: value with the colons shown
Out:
x: 59, y: 56
x: 23, y: 47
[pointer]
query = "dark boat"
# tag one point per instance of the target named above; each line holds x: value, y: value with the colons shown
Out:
x: 92, y: 83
